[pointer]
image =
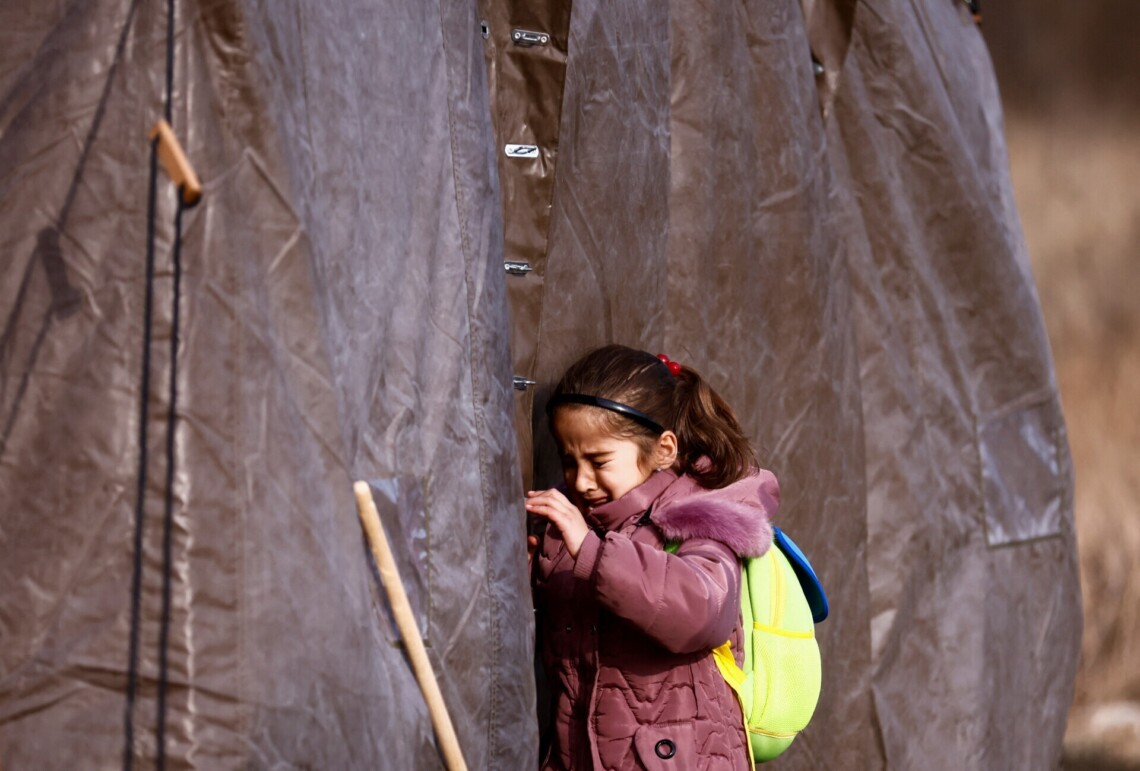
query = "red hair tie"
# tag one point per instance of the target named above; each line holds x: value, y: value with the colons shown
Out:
x: 674, y: 367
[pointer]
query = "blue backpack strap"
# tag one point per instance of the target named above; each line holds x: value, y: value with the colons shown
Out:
x: 813, y: 589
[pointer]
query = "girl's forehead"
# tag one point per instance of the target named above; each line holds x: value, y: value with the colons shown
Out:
x: 580, y: 423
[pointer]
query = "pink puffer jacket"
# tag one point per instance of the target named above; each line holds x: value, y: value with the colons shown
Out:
x: 626, y: 629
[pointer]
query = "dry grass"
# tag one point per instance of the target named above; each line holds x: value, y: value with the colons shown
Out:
x: 1075, y: 180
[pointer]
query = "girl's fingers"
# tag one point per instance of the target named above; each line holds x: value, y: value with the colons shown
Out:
x: 531, y: 548
x: 549, y: 500
x: 559, y: 512
x: 544, y: 497
x: 557, y: 508
x: 553, y: 492
x: 545, y: 510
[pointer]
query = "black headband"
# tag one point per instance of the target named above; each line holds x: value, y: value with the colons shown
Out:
x: 596, y: 401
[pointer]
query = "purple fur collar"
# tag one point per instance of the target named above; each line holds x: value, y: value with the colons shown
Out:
x: 737, y: 516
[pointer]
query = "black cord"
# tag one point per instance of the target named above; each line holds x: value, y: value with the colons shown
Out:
x: 168, y: 112
x: 171, y: 426
x: 168, y: 512
x: 144, y: 400
x: 140, y: 491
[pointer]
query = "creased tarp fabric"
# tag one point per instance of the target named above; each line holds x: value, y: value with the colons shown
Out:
x: 343, y: 318
x: 724, y: 256
x: 976, y: 620
x: 857, y: 287
x: 855, y: 283
x: 525, y: 84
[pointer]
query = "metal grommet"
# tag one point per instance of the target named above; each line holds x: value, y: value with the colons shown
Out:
x: 665, y: 749
x: 485, y: 28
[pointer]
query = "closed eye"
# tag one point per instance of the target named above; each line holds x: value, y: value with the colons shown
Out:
x: 597, y: 461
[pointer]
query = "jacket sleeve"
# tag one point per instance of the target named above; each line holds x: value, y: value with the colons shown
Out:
x: 688, y: 601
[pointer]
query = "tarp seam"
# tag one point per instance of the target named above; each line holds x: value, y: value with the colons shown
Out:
x: 476, y: 360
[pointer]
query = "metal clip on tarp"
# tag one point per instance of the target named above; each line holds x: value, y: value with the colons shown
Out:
x: 522, y: 37
x: 517, y: 267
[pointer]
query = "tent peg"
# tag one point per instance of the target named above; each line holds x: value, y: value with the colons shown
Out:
x: 176, y: 163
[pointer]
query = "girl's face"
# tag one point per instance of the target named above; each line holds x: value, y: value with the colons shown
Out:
x: 599, y: 467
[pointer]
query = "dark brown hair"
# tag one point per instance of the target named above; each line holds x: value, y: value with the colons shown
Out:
x: 703, y: 422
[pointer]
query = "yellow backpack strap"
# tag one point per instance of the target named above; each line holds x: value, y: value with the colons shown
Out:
x: 726, y: 663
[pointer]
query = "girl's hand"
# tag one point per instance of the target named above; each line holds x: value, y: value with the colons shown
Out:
x: 531, y: 548
x: 563, y: 514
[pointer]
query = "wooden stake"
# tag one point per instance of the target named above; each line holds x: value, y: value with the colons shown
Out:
x: 409, y: 631
x: 176, y: 163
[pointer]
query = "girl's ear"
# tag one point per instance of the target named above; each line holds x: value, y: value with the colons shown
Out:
x: 665, y: 451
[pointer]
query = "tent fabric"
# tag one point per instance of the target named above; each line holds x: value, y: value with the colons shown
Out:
x: 726, y: 259
x: 525, y: 50
x: 343, y: 314
x: 848, y: 269
x: 975, y: 604
x: 807, y: 202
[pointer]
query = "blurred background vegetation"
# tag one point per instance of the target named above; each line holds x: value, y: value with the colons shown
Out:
x: 1069, y: 74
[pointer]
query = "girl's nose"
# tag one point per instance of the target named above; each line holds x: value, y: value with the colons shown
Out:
x: 583, y: 479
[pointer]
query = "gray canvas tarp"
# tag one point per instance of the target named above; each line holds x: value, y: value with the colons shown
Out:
x: 809, y: 203
x: 342, y: 310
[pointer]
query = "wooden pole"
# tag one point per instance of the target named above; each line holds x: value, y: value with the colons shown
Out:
x: 176, y: 163
x: 409, y: 631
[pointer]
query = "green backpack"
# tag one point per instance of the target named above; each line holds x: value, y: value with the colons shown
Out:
x: 781, y: 602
